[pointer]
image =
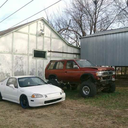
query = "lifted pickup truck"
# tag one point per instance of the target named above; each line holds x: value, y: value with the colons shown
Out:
x: 81, y: 72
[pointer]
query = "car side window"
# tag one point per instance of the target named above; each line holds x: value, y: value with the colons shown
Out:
x: 51, y: 66
x: 71, y: 65
x: 12, y: 81
x: 59, y: 65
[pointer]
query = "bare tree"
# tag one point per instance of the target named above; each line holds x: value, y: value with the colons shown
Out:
x: 84, y: 17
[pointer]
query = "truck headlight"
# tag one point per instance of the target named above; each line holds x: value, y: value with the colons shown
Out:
x: 37, y: 96
x: 99, y: 73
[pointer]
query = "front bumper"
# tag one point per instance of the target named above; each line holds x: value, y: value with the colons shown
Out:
x: 46, y: 100
x: 105, y: 80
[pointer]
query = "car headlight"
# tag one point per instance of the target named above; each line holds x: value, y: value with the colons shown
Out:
x: 37, y: 96
x: 114, y: 72
x: 99, y: 73
x: 62, y: 91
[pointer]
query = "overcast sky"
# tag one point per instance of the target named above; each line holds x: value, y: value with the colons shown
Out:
x: 34, y: 7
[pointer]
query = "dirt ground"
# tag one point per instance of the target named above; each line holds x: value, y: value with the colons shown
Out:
x: 71, y: 113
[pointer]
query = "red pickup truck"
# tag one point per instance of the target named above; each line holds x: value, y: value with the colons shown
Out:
x: 83, y: 73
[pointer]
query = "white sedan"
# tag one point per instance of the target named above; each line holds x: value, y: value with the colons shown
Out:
x: 30, y: 91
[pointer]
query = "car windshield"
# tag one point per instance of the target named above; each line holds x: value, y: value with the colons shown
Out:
x: 84, y: 63
x: 30, y: 81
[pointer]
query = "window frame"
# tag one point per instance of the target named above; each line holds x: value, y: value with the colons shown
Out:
x: 39, y: 51
x: 13, y: 84
x: 56, y: 65
x: 72, y: 61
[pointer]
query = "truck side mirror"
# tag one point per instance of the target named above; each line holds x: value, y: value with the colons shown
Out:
x: 75, y: 67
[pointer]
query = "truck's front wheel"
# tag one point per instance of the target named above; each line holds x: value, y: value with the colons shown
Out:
x: 88, y: 89
x: 112, y: 87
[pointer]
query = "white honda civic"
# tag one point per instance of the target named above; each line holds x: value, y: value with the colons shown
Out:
x: 30, y: 91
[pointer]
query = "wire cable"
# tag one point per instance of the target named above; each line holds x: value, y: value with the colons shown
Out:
x: 16, y: 11
x: 37, y: 13
x: 3, y: 3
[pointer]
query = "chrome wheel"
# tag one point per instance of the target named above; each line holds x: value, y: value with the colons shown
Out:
x: 86, y: 90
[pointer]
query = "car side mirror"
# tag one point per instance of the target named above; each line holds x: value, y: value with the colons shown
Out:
x: 75, y: 67
x: 12, y: 86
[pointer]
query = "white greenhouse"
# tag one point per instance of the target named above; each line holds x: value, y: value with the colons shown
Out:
x: 27, y: 49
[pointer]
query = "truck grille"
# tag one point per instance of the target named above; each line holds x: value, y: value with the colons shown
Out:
x: 50, y: 101
x: 107, y: 73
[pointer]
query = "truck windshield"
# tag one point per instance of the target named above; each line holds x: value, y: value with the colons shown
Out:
x: 84, y: 63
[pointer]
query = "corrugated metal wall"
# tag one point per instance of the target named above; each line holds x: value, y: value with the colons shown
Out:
x: 106, y: 49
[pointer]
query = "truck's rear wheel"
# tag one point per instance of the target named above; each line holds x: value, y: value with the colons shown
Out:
x: 88, y: 89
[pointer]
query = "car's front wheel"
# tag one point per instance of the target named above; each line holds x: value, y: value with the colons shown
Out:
x: 0, y: 97
x: 88, y: 89
x: 24, y: 102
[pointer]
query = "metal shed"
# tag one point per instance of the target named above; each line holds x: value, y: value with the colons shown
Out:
x: 108, y: 48
x: 27, y: 49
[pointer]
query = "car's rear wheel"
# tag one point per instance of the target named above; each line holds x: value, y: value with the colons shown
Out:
x: 24, y: 102
x: 88, y: 89
x: 53, y: 82
x: 0, y: 97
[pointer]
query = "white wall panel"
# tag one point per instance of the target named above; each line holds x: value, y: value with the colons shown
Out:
x: 40, y: 69
x: 47, y: 31
x: 57, y: 45
x: 6, y: 43
x: 5, y: 66
x: 32, y: 66
x: 32, y: 43
x: 24, y: 29
x: 20, y: 43
x: 33, y: 28
x: 20, y: 65
x: 70, y: 50
x: 54, y: 35
x: 47, y: 45
x: 40, y: 43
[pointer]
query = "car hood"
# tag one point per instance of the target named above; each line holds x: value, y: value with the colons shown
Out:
x: 41, y: 89
x: 100, y: 68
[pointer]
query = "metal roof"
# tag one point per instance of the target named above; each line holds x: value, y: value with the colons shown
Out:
x: 7, y: 31
x: 108, y: 32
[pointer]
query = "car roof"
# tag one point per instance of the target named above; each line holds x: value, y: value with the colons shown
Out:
x: 23, y: 76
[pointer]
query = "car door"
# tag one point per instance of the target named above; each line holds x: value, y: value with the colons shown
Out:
x: 59, y: 70
x: 11, y: 93
x: 72, y: 72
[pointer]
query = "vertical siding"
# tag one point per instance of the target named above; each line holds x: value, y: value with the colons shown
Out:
x: 107, y: 50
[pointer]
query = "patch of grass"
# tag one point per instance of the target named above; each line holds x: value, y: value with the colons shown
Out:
x: 116, y: 100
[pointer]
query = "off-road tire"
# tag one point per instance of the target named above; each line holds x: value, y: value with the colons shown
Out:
x: 0, y: 97
x: 112, y: 88
x: 88, y: 89
x: 24, y: 102
x: 53, y: 82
